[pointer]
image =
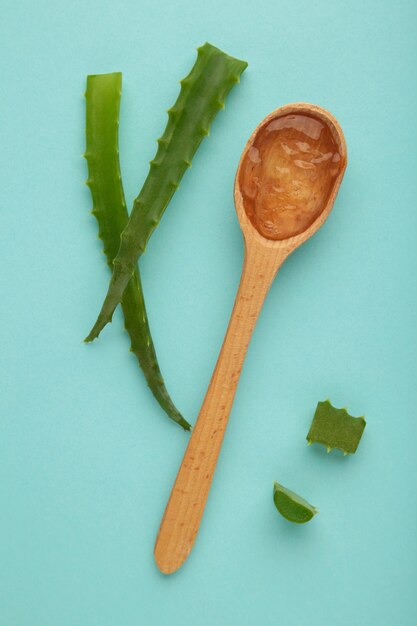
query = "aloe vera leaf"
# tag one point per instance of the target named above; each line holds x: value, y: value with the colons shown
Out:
x: 109, y: 207
x: 202, y: 95
x: 335, y: 428
x: 291, y: 506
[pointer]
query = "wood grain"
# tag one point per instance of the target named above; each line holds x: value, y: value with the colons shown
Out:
x: 263, y: 257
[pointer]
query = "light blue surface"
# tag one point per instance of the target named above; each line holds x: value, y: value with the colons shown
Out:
x: 87, y: 458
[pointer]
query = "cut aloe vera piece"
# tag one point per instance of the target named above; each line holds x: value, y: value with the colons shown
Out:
x: 291, y: 506
x: 335, y: 428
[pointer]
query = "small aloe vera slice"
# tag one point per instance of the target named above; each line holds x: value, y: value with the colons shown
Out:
x: 335, y: 428
x: 202, y: 95
x: 291, y: 506
x: 109, y: 207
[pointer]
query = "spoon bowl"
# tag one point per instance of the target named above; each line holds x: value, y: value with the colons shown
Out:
x: 285, y: 187
x: 300, y: 122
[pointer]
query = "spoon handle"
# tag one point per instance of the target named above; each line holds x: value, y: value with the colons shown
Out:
x: 185, y: 507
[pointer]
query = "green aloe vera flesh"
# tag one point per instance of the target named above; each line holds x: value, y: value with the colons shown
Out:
x: 202, y: 95
x: 335, y: 428
x: 109, y: 207
x: 291, y: 506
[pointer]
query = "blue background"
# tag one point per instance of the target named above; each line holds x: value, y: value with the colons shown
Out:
x: 87, y: 458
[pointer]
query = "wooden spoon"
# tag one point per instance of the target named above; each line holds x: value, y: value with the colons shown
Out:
x: 286, y: 183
